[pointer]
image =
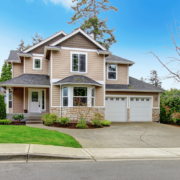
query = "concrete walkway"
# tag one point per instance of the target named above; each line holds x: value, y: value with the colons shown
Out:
x: 125, y: 135
x: 43, y: 152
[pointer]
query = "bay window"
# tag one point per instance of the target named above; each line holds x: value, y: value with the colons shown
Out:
x: 65, y: 96
x: 79, y: 62
x: 80, y: 96
x: 112, y: 71
x: 93, y: 97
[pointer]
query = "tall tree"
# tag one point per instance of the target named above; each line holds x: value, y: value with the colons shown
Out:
x: 86, y: 13
x: 6, y: 73
x: 36, y: 39
x: 154, y: 79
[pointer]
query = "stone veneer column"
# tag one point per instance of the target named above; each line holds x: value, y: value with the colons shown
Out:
x: 128, y: 114
x: 156, y: 115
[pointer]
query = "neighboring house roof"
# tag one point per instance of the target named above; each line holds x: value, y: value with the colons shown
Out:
x: 75, y: 32
x: 112, y: 58
x: 77, y: 79
x: 134, y: 85
x: 28, y: 80
x: 45, y: 40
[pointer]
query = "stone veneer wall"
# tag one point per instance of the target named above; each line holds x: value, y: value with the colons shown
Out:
x: 128, y: 115
x: 156, y: 115
x: 73, y: 115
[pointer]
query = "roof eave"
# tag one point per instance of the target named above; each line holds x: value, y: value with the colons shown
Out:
x: 135, y: 90
x: 118, y: 62
x: 24, y: 55
x: 51, y: 48
x: 78, y: 83
x: 24, y: 85
x: 104, y: 52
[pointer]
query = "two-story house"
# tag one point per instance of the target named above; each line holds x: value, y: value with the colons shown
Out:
x: 66, y: 71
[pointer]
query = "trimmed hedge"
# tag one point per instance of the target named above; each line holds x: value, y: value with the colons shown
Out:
x: 5, y: 121
x: 2, y: 107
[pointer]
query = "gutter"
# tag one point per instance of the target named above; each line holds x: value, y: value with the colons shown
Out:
x: 21, y: 85
x: 78, y: 83
x: 133, y: 90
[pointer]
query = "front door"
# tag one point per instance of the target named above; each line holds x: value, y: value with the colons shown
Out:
x: 35, y: 101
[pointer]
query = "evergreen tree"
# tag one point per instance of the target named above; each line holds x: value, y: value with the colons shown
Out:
x: 154, y: 79
x: 88, y: 11
x: 2, y: 107
x: 6, y: 73
x: 36, y: 39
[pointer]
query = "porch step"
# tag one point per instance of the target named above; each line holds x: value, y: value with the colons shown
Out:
x: 33, y: 117
x: 30, y: 120
x: 34, y: 122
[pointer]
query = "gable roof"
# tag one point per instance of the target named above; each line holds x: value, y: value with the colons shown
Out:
x: 116, y: 59
x: 75, y: 32
x: 13, y: 56
x: 134, y: 85
x: 45, y: 40
x: 77, y: 79
x: 28, y: 79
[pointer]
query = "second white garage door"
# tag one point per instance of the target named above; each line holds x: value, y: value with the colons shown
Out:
x: 140, y: 109
x: 116, y: 109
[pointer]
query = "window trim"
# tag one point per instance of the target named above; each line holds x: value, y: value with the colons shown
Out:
x: 11, y: 99
x: 78, y: 72
x: 112, y: 71
x: 65, y: 96
x: 37, y: 69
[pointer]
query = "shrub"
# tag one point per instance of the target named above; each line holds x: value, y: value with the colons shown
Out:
x: 105, y: 123
x: 19, y: 117
x: 64, y: 120
x: 6, y: 121
x: 45, y: 116
x: 48, y: 121
x: 2, y: 107
x: 82, y: 124
x: 176, y: 118
x: 97, y: 122
x: 54, y: 117
x: 98, y: 116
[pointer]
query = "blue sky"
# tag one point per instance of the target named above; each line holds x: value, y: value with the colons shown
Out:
x: 140, y: 26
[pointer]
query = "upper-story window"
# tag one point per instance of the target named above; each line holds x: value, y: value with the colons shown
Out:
x: 112, y: 72
x: 37, y: 63
x: 78, y: 62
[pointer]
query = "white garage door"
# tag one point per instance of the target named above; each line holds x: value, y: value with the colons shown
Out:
x: 140, y: 109
x: 116, y: 109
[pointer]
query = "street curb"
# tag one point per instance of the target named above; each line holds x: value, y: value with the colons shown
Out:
x: 13, y: 157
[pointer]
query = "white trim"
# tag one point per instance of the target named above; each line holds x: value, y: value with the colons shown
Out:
x: 24, y: 55
x: 7, y: 99
x: 24, y: 65
x: 75, y: 32
x: 55, y: 80
x: 104, y: 81
x: 112, y: 71
x: 79, y: 53
x: 24, y: 98
x: 39, y: 58
x: 131, y: 90
x: 77, y: 84
x: 101, y: 82
x: 127, y: 74
x: 51, y: 48
x: 78, y: 49
x: 40, y: 55
x: 46, y: 40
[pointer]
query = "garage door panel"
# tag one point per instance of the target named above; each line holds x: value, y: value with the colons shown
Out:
x: 140, y: 109
x: 116, y: 109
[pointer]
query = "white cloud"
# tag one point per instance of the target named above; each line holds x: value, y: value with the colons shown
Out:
x: 45, y: 1
x: 66, y: 3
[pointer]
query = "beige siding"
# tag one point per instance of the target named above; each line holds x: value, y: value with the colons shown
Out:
x: 29, y: 67
x: 155, y: 102
x: 99, y: 96
x: 18, y: 69
x: 40, y: 49
x: 18, y: 100
x: 79, y: 41
x: 55, y: 95
x: 61, y: 65
x: 122, y: 75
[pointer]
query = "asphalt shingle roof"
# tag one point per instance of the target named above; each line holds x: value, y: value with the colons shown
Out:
x: 134, y: 84
x: 112, y: 57
x: 13, y: 55
x: 28, y: 79
x: 77, y: 79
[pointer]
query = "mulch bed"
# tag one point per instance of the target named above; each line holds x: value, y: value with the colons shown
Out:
x: 73, y: 126
x: 15, y: 123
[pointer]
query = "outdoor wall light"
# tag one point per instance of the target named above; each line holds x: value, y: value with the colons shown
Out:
x: 156, y: 98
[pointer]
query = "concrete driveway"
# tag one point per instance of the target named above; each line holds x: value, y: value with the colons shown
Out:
x: 125, y: 135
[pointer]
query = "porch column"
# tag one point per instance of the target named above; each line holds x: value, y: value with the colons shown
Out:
x: 7, y: 99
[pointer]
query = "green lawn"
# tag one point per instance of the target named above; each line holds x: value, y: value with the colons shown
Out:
x: 29, y: 135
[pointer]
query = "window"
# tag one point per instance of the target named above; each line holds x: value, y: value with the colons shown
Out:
x: 43, y: 100
x: 79, y: 62
x: 65, y: 96
x: 142, y: 99
x: 132, y: 99
x: 106, y: 99
x: 137, y: 99
x: 37, y: 63
x: 34, y: 96
x: 112, y: 72
x: 117, y: 99
x: 10, y: 100
x: 80, y: 96
x: 111, y: 99
x: 123, y: 99
x: 147, y: 99
x: 93, y: 97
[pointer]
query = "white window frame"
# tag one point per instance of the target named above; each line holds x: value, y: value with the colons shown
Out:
x: 93, y: 97
x: 38, y: 69
x: 112, y: 71
x: 78, y: 72
x: 65, y: 96
x: 11, y: 99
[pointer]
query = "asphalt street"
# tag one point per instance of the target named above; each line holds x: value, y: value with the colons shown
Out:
x: 124, y: 170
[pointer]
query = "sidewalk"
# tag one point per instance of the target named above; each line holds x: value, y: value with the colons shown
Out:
x: 43, y: 152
